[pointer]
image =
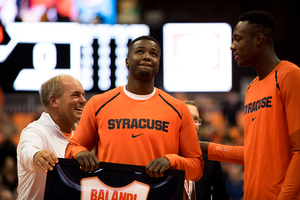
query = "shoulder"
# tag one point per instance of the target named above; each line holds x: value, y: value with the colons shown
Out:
x: 175, y: 104
x: 44, y: 122
x: 170, y: 99
x: 287, y: 73
x: 98, y: 101
x: 37, y: 128
x: 286, y: 68
x: 107, y: 95
x: 288, y: 65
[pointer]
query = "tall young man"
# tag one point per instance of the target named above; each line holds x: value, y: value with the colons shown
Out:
x: 138, y: 124
x: 271, y: 151
x: 212, y: 184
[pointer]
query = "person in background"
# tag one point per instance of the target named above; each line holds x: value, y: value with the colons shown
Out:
x: 212, y: 184
x: 44, y: 140
x: 271, y: 151
x: 138, y: 124
x: 235, y: 181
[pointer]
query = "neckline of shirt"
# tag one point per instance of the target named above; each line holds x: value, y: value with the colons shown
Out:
x: 137, y: 96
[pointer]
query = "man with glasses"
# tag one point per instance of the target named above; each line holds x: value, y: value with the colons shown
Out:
x: 211, y: 185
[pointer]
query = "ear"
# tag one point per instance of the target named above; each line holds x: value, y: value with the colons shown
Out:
x: 127, y: 63
x: 260, y: 38
x: 53, y: 101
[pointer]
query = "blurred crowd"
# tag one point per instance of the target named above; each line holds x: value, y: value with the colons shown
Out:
x: 222, y: 123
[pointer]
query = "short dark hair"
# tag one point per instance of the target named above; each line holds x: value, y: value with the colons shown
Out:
x: 262, y: 22
x: 144, y: 37
x: 190, y: 103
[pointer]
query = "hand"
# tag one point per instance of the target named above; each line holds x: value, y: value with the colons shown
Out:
x: 204, y: 146
x: 157, y: 167
x: 88, y: 161
x: 45, y: 159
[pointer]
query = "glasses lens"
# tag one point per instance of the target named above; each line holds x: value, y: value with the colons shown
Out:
x: 198, y: 121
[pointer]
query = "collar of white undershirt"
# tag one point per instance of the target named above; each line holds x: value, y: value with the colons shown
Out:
x: 137, y: 96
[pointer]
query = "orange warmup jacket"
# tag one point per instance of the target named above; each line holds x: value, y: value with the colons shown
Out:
x: 134, y: 132
x: 271, y: 151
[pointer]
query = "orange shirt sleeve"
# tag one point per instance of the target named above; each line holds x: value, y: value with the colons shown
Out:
x: 190, y: 157
x: 85, y: 136
x: 226, y: 153
x: 291, y: 185
x: 290, y: 189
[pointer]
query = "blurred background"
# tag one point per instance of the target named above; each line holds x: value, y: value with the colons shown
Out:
x: 88, y: 39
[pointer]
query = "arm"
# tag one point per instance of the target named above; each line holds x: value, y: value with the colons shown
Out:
x: 223, y: 153
x: 290, y: 96
x: 31, y: 152
x: 190, y: 155
x: 193, y: 166
x: 84, y: 140
x: 291, y: 185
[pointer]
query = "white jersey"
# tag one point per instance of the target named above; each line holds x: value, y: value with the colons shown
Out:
x: 93, y: 188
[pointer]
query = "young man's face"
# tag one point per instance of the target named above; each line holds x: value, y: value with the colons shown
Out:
x: 143, y: 60
x: 244, y: 44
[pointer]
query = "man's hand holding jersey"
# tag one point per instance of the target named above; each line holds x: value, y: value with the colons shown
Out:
x: 45, y: 159
x: 158, y: 166
x: 89, y: 162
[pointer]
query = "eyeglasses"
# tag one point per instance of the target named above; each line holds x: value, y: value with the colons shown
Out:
x: 198, y: 122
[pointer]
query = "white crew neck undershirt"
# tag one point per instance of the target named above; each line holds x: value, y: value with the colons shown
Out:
x: 137, y: 96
